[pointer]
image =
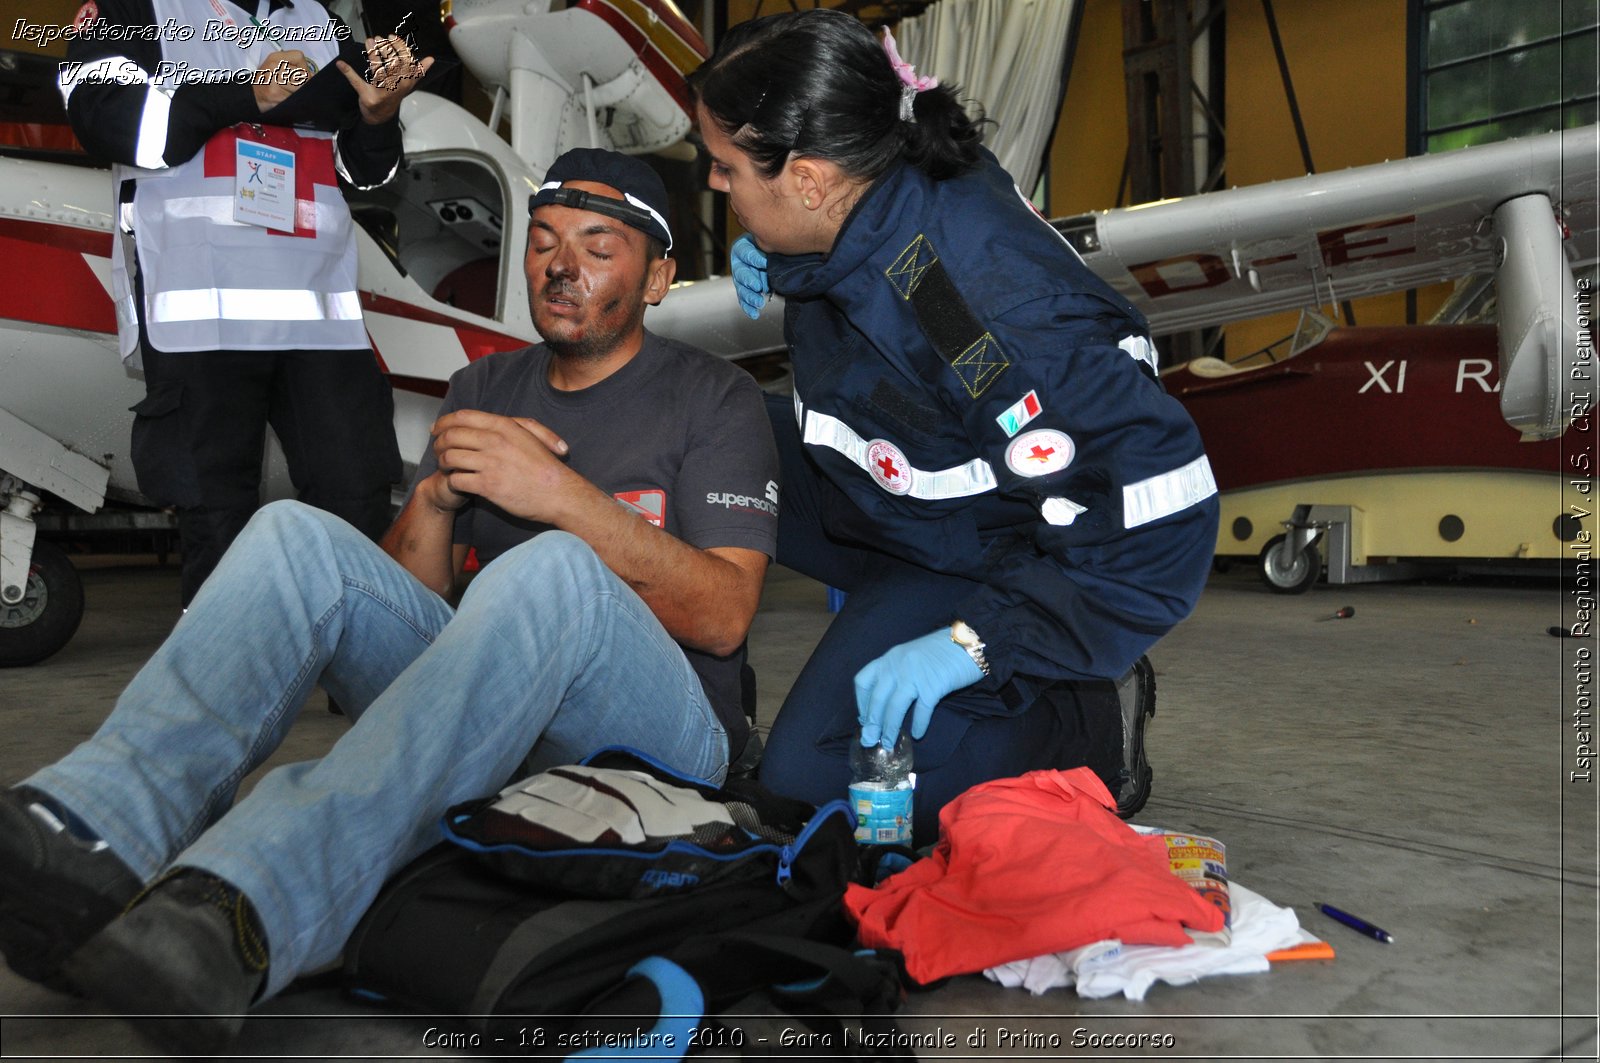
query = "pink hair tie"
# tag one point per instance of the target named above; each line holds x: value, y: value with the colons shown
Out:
x: 911, y: 82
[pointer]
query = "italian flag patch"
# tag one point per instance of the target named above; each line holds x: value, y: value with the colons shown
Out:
x: 1020, y: 413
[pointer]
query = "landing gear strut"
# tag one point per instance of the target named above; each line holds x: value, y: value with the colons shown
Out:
x: 48, y: 613
x: 41, y: 597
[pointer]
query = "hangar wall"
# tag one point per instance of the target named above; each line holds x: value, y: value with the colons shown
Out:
x: 1348, y: 62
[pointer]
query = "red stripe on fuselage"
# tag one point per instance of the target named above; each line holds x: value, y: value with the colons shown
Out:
x: 67, y: 237
x: 56, y: 286
x: 40, y: 136
x: 671, y: 77
x: 420, y: 385
x: 475, y: 341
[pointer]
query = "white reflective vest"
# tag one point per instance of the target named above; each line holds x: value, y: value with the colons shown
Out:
x: 213, y: 283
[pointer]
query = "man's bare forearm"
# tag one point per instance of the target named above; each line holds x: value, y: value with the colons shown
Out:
x: 420, y: 539
x: 704, y: 598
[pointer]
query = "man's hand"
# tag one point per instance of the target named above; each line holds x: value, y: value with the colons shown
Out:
x: 395, y: 72
x: 437, y: 492
x: 514, y: 462
x: 284, y: 72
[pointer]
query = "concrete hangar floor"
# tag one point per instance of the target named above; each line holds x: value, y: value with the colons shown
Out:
x: 1410, y: 764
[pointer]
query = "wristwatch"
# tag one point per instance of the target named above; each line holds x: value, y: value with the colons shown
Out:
x: 962, y: 635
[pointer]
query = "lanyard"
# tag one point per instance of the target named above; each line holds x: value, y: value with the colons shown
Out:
x: 269, y: 31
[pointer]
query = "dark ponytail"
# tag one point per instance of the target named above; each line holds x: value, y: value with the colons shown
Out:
x: 817, y: 83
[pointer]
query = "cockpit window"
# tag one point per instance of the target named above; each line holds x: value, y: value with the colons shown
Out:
x: 440, y: 222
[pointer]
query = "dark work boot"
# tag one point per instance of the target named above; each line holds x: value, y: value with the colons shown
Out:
x: 1136, y: 696
x: 190, y: 953
x: 56, y: 890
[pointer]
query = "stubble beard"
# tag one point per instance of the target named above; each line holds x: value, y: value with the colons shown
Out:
x: 594, y: 345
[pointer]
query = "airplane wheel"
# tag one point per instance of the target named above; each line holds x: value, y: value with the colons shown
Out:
x: 49, y: 613
x: 1287, y: 576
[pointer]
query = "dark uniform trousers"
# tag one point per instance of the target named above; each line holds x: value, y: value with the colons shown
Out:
x: 199, y: 439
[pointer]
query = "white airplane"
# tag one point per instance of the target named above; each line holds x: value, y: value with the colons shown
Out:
x: 441, y: 248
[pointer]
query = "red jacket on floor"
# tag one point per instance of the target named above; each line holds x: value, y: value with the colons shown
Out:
x: 1024, y: 867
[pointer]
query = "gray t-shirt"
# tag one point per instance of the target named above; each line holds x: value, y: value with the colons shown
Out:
x: 678, y: 436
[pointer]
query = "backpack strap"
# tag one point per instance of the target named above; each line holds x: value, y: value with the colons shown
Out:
x: 536, y: 934
x: 785, y: 982
x: 858, y: 982
x: 682, y: 1005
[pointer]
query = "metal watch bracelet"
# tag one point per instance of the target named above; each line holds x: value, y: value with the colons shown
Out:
x: 962, y: 635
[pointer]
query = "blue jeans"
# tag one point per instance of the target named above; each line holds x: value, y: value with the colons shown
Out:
x: 549, y: 656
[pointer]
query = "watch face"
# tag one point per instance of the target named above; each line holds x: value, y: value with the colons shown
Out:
x: 962, y: 635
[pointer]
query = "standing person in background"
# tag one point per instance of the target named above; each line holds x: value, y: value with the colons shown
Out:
x: 235, y: 278
x: 979, y: 449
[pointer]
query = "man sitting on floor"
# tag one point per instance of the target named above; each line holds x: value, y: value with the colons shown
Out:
x: 590, y: 472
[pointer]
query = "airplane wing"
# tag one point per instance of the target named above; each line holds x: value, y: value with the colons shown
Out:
x: 1524, y: 209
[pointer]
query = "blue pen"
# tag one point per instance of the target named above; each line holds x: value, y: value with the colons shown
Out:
x: 1360, y: 926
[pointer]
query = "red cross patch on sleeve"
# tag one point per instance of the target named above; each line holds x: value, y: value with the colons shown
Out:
x: 651, y: 505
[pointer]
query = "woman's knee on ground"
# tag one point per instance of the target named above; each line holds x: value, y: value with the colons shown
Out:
x: 793, y: 766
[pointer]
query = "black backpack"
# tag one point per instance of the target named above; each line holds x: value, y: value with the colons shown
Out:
x: 552, y: 951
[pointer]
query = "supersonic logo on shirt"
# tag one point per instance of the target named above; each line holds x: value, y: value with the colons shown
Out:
x: 650, y: 504
x: 748, y: 503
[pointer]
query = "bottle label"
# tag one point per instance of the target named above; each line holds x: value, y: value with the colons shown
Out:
x: 883, y: 817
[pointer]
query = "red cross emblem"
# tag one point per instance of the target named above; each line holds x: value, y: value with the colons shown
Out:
x: 888, y: 467
x: 313, y: 165
x: 1040, y: 452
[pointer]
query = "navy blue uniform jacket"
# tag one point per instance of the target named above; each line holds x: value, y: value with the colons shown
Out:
x: 989, y: 408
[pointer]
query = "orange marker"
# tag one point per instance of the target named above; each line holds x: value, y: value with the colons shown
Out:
x: 1311, y: 950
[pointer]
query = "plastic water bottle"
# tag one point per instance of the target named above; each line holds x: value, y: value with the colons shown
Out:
x: 881, y: 786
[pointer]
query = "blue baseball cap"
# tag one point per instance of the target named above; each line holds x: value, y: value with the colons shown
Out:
x: 644, y: 197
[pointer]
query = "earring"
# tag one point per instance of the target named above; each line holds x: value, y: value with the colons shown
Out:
x: 806, y: 201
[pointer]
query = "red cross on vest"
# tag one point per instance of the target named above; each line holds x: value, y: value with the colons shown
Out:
x: 313, y: 165
x: 1041, y: 453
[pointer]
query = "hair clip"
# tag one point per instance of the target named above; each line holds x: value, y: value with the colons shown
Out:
x: 910, y: 80
x: 908, y: 101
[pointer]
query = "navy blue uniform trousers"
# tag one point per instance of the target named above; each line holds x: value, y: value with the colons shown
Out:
x: 973, y: 736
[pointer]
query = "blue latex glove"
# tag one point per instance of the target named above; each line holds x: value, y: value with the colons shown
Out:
x: 912, y: 677
x: 749, y: 264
